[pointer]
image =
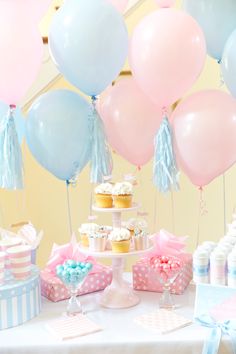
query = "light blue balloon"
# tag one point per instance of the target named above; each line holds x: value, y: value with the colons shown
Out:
x: 58, y: 132
x: 18, y: 118
x: 88, y: 41
x: 217, y: 19
x: 228, y: 64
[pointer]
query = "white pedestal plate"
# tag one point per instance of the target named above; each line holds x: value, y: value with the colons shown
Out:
x: 119, y: 294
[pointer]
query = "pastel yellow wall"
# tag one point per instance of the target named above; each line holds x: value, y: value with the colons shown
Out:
x: 44, y: 199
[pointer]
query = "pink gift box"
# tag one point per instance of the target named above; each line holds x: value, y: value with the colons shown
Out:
x: 53, y: 288
x: 146, y: 279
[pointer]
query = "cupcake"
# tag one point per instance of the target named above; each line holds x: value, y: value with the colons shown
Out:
x: 97, y: 241
x: 103, y: 195
x: 140, y: 239
x: 122, y: 194
x: 85, y: 230
x: 134, y: 223
x: 120, y: 240
x: 130, y: 225
x: 105, y: 229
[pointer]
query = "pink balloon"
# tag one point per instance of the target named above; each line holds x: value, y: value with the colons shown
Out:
x: 120, y: 5
x: 21, y: 51
x: 165, y: 3
x: 37, y: 8
x: 131, y: 121
x: 167, y: 54
x: 204, y: 129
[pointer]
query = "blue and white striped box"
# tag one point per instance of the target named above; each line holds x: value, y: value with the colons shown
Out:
x: 20, y: 301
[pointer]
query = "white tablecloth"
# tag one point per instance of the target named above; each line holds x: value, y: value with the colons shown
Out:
x: 120, y: 335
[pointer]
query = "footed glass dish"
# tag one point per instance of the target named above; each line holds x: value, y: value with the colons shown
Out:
x: 73, y: 274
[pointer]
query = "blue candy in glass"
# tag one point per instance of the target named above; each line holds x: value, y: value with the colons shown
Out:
x: 72, y: 274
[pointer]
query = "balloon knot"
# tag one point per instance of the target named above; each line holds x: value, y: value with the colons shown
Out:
x: 164, y: 111
x: 139, y: 168
x: 94, y: 98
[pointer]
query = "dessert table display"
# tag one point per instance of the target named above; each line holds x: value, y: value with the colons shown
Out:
x: 120, y: 332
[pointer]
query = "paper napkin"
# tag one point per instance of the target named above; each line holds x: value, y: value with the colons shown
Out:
x: 72, y: 327
x: 162, y: 321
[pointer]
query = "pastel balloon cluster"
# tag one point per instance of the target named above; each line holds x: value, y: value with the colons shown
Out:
x: 72, y: 272
x: 167, y: 266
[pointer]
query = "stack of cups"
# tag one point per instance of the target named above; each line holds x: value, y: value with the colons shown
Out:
x: 201, y: 266
x: 228, y: 239
x: 5, y: 245
x: 2, y: 266
x: 218, y: 267
x: 20, y: 261
x: 224, y: 247
x: 232, y: 269
x: 208, y: 245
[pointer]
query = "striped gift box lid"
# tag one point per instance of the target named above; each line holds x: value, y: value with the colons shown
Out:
x: 20, y: 300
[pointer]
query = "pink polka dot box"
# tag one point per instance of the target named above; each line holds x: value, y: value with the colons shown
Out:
x: 54, y: 290
x: 146, y: 279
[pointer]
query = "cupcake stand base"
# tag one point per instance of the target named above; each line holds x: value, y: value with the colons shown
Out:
x: 119, y: 294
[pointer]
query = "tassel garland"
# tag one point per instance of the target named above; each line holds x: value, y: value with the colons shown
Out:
x: 101, y: 159
x: 11, y: 165
x: 165, y: 171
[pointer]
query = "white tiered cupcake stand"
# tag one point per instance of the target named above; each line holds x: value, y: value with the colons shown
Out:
x: 119, y: 294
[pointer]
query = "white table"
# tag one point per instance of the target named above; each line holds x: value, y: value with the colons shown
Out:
x: 120, y: 335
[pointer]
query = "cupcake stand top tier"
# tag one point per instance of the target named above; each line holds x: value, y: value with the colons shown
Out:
x: 119, y: 294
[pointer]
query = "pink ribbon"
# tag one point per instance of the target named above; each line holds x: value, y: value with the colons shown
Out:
x: 60, y: 254
x: 167, y: 244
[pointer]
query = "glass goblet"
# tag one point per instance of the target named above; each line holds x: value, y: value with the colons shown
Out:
x: 167, y: 269
x: 72, y: 275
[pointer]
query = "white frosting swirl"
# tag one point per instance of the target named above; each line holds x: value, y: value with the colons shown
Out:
x: 122, y: 188
x: 119, y: 234
x: 104, y: 188
x: 88, y: 228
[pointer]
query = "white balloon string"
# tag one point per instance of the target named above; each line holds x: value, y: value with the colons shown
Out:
x: 224, y: 202
x: 91, y: 216
x: 155, y: 212
x: 202, y: 211
x: 173, y: 211
x: 69, y: 207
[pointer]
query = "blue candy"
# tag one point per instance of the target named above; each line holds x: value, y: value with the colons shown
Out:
x: 71, y: 263
x: 89, y: 266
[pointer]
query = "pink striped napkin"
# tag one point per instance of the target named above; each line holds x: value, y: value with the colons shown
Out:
x: 72, y: 327
x: 162, y: 321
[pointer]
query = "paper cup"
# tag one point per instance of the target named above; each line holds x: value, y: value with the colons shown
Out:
x: 5, y: 244
x: 20, y: 261
x: 2, y: 266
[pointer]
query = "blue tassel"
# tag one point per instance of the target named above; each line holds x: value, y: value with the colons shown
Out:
x: 165, y: 171
x: 101, y: 159
x: 11, y: 165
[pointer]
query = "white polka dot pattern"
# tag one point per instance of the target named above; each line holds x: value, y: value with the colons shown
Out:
x: 54, y: 290
x: 144, y: 278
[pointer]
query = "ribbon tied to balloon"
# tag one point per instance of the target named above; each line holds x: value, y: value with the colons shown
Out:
x: 11, y: 165
x: 164, y: 73
x: 87, y: 64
